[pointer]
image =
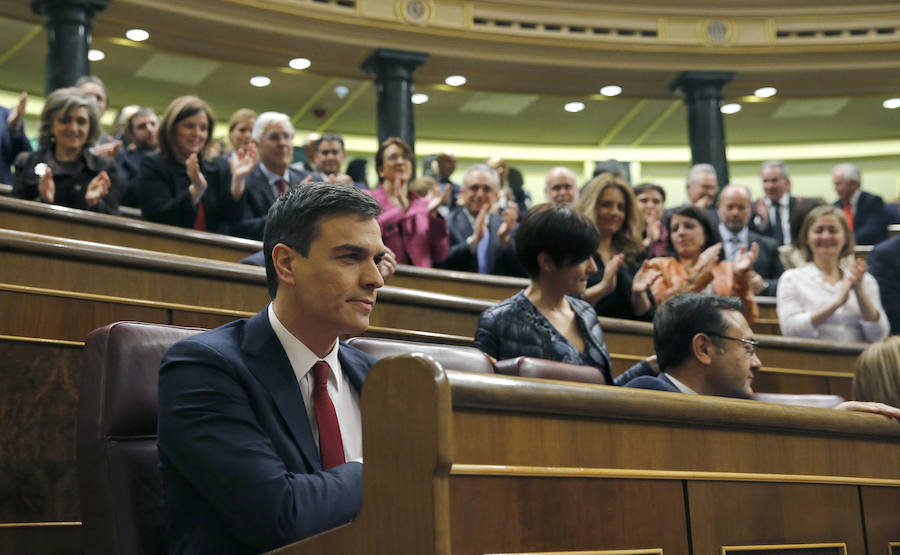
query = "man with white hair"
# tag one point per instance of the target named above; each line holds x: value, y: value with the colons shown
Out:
x: 480, y: 232
x: 864, y: 211
x: 273, y: 137
x: 560, y: 186
x: 702, y: 185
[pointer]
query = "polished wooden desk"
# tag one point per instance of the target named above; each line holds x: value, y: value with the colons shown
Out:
x: 60, y: 289
x: 462, y: 463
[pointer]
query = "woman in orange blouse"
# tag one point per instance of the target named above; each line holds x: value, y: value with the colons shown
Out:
x: 698, y: 263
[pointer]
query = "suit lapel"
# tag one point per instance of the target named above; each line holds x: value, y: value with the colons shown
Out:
x: 270, y: 364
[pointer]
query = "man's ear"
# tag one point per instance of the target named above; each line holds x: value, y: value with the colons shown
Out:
x: 282, y: 259
x: 702, y: 346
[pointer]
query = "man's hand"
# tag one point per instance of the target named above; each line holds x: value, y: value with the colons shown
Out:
x: 108, y: 149
x: 874, y: 408
x: 436, y: 199
x: 479, y: 227
x: 47, y: 187
x: 762, y: 213
x: 17, y: 115
x: 97, y: 188
x: 704, y: 202
x: 388, y: 264
x: 510, y: 216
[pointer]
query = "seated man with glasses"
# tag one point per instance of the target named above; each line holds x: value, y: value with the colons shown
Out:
x: 704, y: 346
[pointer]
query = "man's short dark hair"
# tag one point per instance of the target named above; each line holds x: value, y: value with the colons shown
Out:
x: 565, y: 235
x: 293, y: 219
x: 682, y: 317
x: 332, y: 137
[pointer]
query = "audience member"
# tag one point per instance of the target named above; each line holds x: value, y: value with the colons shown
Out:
x: 654, y: 237
x: 309, y: 152
x: 12, y: 137
x: 698, y: 263
x: 273, y: 137
x: 704, y: 346
x: 824, y: 300
x: 516, y: 185
x: 93, y: 86
x: 876, y: 377
x: 611, y: 166
x: 63, y: 170
x: 480, y: 239
x: 422, y: 185
x: 446, y: 165
x: 776, y: 212
x: 560, y: 186
x: 884, y: 265
x: 356, y: 169
x: 410, y: 224
x: 178, y: 186
x: 702, y: 186
x: 547, y: 320
x: 240, y: 129
x: 619, y: 288
x: 329, y: 159
x: 864, y: 211
x: 141, y: 136
x: 260, y: 439
x: 734, y: 217
x: 793, y: 255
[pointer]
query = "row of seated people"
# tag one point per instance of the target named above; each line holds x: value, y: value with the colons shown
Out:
x: 178, y: 186
x: 259, y: 420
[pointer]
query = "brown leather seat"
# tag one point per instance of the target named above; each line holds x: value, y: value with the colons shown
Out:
x: 449, y: 356
x: 119, y: 482
x: 528, y: 367
x: 802, y: 400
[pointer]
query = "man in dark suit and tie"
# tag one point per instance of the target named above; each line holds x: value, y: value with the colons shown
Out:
x: 775, y: 211
x: 273, y: 137
x: 734, y: 216
x: 865, y: 212
x: 260, y: 438
x: 479, y: 240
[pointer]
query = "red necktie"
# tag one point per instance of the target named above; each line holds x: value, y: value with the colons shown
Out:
x: 200, y: 219
x: 848, y: 211
x: 330, y: 444
x: 282, y: 186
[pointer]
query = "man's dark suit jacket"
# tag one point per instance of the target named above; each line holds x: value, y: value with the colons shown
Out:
x: 884, y: 265
x: 767, y: 264
x: 240, y: 466
x: 769, y: 229
x: 870, y: 219
x: 500, y: 259
x: 657, y: 383
x: 11, y: 144
x: 255, y: 203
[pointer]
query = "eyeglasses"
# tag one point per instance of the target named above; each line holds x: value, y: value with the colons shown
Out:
x: 749, y: 344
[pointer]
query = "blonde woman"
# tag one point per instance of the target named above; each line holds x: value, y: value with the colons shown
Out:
x: 877, y: 373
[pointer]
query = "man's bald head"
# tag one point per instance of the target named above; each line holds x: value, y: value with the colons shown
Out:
x: 561, y: 186
x: 734, y: 207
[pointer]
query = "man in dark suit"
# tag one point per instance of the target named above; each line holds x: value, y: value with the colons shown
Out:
x: 12, y: 137
x: 260, y: 438
x: 273, y: 137
x: 777, y: 209
x: 869, y: 219
x: 734, y: 216
x: 141, y: 133
x: 479, y: 240
x: 884, y: 265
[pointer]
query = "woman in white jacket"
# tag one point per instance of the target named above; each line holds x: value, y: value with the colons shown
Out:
x: 823, y: 299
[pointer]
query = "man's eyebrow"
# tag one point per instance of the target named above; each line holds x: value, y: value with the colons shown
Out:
x: 357, y: 249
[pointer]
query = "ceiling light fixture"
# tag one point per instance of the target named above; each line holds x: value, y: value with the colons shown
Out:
x: 891, y: 103
x: 730, y: 108
x: 341, y: 91
x: 95, y: 55
x: 137, y: 35
x: 611, y: 90
x: 765, y: 92
x: 574, y: 107
x: 260, y: 81
x: 300, y: 63
x: 419, y: 98
x: 455, y: 80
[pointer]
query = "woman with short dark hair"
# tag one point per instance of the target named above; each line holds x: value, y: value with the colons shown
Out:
x: 410, y: 224
x: 178, y: 186
x: 547, y: 320
x: 63, y: 171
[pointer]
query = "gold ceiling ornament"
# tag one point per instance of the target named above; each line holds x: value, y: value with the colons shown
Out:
x: 416, y: 12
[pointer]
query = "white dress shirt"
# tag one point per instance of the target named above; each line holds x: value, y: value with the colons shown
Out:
x: 732, y: 248
x: 802, y: 291
x: 784, y: 205
x: 344, y: 397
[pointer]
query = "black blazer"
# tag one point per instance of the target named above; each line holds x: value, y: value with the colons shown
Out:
x: 767, y: 264
x: 164, y: 196
x: 884, y: 265
x: 71, y: 184
x: 768, y: 229
x: 656, y: 383
x: 240, y: 466
x: 258, y: 197
x: 870, y: 219
x: 501, y: 260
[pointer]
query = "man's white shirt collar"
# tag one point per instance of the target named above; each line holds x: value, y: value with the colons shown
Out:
x: 273, y: 177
